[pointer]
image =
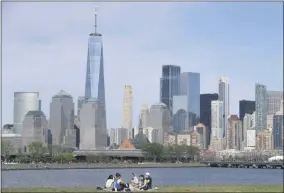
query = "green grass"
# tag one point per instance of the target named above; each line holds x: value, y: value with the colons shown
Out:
x: 210, y: 188
x: 225, y: 188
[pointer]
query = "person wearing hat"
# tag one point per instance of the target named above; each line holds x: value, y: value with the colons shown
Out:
x: 148, y: 182
x: 119, y: 185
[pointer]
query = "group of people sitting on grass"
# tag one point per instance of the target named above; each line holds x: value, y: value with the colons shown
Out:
x: 116, y: 183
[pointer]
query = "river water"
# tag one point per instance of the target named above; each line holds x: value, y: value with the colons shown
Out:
x: 161, y: 176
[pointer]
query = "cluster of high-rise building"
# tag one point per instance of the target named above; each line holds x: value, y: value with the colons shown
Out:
x: 182, y: 116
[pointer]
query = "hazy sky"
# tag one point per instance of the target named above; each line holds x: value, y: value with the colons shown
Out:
x: 45, y: 49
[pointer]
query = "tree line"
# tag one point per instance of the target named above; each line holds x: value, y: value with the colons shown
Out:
x: 181, y: 153
x: 36, y: 152
x: 153, y: 152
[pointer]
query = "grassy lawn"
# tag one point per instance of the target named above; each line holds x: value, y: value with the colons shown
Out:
x: 225, y: 188
x: 213, y: 188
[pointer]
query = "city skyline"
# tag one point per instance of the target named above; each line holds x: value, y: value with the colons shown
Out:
x: 125, y: 48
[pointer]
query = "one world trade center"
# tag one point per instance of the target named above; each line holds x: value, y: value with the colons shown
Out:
x: 94, y: 85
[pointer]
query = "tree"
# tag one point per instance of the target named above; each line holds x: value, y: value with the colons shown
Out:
x: 179, y: 151
x: 153, y: 150
x: 192, y: 152
x: 55, y: 149
x: 36, y: 148
x: 7, y: 148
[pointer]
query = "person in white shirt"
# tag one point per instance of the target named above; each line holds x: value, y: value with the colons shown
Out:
x: 109, y: 182
x: 134, y: 181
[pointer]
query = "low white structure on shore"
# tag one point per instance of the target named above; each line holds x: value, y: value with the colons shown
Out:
x: 276, y: 158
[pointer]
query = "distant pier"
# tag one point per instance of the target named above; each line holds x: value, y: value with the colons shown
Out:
x: 243, y: 164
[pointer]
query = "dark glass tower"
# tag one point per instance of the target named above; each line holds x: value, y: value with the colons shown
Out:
x: 278, y: 131
x: 205, y: 108
x: 94, y: 85
x: 169, y: 85
x: 246, y: 107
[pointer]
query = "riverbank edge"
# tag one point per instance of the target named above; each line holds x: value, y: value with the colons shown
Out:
x: 50, y: 167
x: 200, y: 188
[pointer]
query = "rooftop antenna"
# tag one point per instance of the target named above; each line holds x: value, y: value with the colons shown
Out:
x: 96, y: 14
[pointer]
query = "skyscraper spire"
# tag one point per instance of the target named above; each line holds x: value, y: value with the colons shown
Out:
x: 96, y: 13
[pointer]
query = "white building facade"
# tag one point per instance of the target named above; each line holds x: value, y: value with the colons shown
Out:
x: 151, y: 133
x: 224, y: 96
x: 217, y: 122
x: 127, y: 110
x: 23, y: 103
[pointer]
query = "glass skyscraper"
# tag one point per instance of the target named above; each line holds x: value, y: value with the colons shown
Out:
x: 94, y: 85
x: 261, y: 107
x: 224, y: 95
x: 180, y: 113
x: 169, y: 85
x: 278, y: 130
x: 190, y: 87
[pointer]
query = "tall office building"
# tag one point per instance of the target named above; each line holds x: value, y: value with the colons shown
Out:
x: 160, y: 119
x: 144, y: 116
x: 224, y: 96
x: 205, y: 110
x: 264, y: 140
x: 217, y: 122
x: 277, y: 130
x: 261, y: 107
x: 35, y: 129
x: 151, y: 133
x: 93, y: 134
x: 77, y: 130
x: 118, y: 135
x: 251, y: 139
x: 95, y: 83
x: 248, y: 124
x: 23, y: 103
x: 127, y: 111
x: 190, y: 87
x: 169, y: 85
x: 234, y: 137
x: 180, y: 117
x: 61, y: 120
x: 202, y: 130
x: 274, y: 101
x: 246, y: 107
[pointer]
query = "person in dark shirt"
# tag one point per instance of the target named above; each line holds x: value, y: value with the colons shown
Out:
x: 148, y: 182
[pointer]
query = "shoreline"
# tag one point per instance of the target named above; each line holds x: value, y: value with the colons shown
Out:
x: 200, y: 188
x: 96, y: 166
